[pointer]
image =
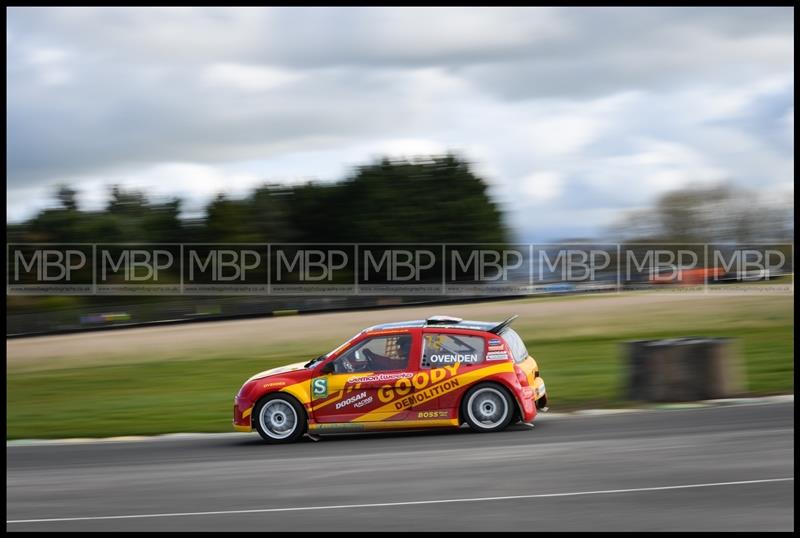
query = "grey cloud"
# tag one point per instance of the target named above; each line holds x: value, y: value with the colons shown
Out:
x: 303, y: 37
x: 128, y: 88
x: 116, y: 116
x: 649, y: 50
x: 297, y: 38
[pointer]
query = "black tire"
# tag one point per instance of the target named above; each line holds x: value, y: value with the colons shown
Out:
x: 279, y: 418
x: 487, y: 408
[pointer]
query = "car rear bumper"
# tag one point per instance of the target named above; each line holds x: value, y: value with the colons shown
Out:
x: 539, y: 393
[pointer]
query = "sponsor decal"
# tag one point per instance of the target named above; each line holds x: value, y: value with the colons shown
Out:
x: 433, y: 414
x: 429, y: 384
x: 319, y: 387
x: 497, y: 356
x: 427, y: 394
x: 419, y: 381
x: 340, y: 426
x: 379, y: 377
x: 276, y: 384
x: 351, y: 400
x: 362, y: 403
x: 495, y: 342
x: 452, y: 358
x: 434, y: 341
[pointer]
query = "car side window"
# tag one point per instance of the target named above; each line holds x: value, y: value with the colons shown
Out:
x: 390, y: 352
x: 442, y: 349
x: 517, y: 345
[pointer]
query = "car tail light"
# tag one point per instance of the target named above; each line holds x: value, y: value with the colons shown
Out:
x: 523, y: 379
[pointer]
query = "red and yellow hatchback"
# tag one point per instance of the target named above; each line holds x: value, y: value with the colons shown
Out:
x: 438, y: 372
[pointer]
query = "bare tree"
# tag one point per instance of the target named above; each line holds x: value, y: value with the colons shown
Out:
x: 719, y: 213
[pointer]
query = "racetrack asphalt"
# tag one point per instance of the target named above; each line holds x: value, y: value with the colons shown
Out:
x: 727, y: 468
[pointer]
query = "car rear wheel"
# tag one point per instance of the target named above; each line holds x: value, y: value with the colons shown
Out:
x: 487, y: 408
x: 279, y: 418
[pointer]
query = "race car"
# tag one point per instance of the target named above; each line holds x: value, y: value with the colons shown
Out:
x: 438, y: 372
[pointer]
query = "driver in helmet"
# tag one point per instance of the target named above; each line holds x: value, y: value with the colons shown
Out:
x: 397, y: 362
x: 377, y: 362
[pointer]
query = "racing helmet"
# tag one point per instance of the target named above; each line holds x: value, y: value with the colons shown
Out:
x: 403, y: 346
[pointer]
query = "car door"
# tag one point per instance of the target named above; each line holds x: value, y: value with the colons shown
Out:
x: 368, y: 377
x: 446, y: 354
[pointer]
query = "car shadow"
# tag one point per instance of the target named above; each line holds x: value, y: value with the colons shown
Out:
x: 394, y: 434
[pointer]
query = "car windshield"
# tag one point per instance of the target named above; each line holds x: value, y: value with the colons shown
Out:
x: 312, y: 362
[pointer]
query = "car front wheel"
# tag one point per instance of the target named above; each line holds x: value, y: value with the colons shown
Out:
x: 280, y: 418
x: 487, y: 408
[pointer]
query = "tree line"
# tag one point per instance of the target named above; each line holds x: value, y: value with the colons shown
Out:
x: 433, y: 199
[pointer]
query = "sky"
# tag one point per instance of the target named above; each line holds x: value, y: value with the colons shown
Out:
x: 573, y: 116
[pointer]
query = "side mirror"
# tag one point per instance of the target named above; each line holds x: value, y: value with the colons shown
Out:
x: 328, y: 368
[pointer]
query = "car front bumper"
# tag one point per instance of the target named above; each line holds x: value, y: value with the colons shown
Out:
x: 242, y: 415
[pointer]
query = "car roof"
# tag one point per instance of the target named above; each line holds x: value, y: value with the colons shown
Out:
x: 418, y: 323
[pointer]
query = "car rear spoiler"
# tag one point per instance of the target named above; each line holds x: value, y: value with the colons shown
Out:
x: 500, y: 326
